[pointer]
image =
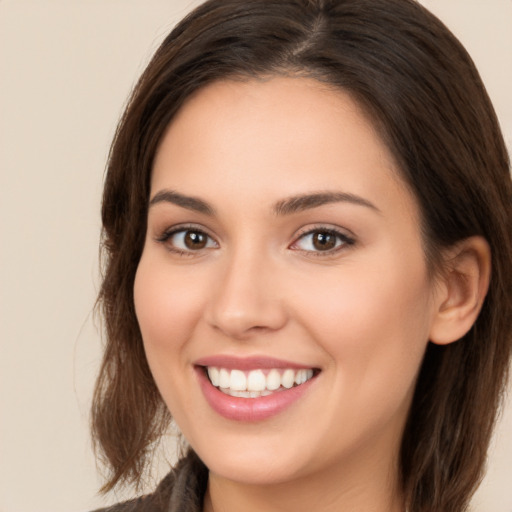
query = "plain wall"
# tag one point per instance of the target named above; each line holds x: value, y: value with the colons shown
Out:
x: 66, y: 68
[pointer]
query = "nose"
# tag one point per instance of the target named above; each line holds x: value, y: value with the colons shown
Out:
x: 248, y: 298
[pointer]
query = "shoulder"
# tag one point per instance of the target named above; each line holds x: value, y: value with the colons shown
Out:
x: 182, y: 490
x: 158, y: 501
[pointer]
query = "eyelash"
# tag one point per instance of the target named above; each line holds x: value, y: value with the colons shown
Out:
x: 342, y: 240
x: 166, y: 236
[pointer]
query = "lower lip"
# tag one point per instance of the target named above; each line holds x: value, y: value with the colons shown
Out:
x: 250, y: 409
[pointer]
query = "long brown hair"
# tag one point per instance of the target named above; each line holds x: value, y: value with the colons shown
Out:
x: 429, y: 104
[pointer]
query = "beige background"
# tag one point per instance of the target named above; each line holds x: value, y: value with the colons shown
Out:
x: 66, y: 67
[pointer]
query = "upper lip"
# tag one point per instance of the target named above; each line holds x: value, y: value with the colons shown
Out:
x: 248, y: 363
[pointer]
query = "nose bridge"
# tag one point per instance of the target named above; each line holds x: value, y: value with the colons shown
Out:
x: 247, y: 297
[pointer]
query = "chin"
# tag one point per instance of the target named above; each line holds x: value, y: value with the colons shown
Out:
x: 247, y: 472
x: 255, y: 464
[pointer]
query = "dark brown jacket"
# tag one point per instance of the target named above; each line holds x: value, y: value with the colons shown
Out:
x: 182, y: 490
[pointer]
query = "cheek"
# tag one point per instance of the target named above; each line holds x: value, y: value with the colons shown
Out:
x: 371, y: 319
x: 167, y: 307
x: 374, y: 330
x: 166, y: 304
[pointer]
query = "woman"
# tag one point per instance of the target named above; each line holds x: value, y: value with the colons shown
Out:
x: 308, y: 242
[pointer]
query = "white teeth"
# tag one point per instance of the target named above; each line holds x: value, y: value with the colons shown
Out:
x: 288, y: 379
x: 224, y: 378
x: 255, y: 383
x: 213, y: 373
x: 234, y: 392
x: 238, y: 381
x: 273, y: 380
x: 303, y: 376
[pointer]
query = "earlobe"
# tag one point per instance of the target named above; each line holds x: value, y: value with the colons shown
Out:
x: 462, y: 290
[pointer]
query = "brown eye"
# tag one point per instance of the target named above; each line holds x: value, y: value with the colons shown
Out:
x: 319, y: 241
x: 324, y: 241
x: 195, y: 240
x: 187, y: 241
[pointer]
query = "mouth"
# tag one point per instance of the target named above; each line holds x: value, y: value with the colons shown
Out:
x: 252, y: 389
x: 258, y: 382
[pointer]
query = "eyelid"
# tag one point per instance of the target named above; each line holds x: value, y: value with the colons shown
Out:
x: 346, y: 237
x: 169, y: 232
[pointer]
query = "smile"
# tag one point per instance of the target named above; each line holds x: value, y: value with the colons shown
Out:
x: 256, y: 383
x: 256, y: 388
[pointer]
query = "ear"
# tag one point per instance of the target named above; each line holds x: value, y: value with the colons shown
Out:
x: 461, y: 290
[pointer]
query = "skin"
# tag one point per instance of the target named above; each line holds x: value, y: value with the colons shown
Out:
x: 361, y: 313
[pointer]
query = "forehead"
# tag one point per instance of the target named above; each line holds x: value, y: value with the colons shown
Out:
x: 277, y: 137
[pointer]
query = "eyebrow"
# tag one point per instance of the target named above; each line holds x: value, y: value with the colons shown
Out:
x: 307, y: 201
x: 288, y: 206
x: 188, y: 202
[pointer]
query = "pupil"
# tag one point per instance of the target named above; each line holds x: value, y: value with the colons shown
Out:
x: 195, y: 240
x: 324, y: 241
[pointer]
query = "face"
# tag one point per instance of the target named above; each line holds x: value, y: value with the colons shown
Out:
x: 282, y: 294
